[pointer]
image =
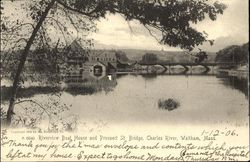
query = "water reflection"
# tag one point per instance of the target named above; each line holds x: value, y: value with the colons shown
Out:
x: 89, y: 84
x: 149, y: 76
x: 27, y: 92
x: 234, y: 82
x: 135, y: 98
x: 85, y: 84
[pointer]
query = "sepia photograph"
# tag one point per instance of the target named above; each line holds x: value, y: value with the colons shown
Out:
x: 124, y: 80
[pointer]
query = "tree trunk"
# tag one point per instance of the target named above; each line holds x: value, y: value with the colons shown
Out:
x: 24, y: 55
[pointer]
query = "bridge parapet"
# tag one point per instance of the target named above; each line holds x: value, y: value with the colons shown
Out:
x: 188, y: 63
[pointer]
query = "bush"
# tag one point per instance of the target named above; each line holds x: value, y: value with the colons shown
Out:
x: 168, y: 104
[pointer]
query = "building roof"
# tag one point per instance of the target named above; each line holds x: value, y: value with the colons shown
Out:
x: 103, y: 53
x: 75, y: 49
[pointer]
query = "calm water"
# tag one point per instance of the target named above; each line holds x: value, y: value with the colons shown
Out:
x: 134, y: 99
x: 203, y: 99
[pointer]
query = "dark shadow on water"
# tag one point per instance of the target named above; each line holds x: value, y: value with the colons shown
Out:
x: 149, y: 76
x: 145, y: 76
x: 118, y: 76
x: 27, y: 92
x: 106, y: 84
x: 234, y: 82
x: 88, y: 90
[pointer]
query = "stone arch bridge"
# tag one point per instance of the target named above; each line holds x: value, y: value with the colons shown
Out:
x: 188, y: 66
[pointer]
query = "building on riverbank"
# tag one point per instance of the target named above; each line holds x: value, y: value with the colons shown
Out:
x: 80, y: 63
x: 106, y: 58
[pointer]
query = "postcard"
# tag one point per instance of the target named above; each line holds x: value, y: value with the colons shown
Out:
x: 124, y: 80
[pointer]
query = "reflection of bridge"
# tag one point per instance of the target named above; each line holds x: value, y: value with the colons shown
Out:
x: 189, y: 65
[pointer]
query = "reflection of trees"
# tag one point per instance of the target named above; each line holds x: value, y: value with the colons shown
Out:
x: 91, y: 85
x: 149, y: 76
x: 240, y: 84
x: 121, y: 75
x: 28, y: 92
x: 31, y: 112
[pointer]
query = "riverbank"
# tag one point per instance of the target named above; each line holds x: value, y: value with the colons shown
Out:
x: 241, y: 72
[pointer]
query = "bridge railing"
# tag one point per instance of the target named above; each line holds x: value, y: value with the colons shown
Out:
x: 167, y: 63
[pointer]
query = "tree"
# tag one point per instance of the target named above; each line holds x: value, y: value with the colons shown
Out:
x: 121, y: 56
x: 200, y: 56
x: 173, y: 18
x: 149, y: 58
x: 233, y: 54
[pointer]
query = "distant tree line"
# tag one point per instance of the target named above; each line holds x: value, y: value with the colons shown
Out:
x: 149, y: 58
x: 234, y: 53
x: 121, y: 56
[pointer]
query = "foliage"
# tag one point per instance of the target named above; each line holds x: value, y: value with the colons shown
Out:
x: 121, y: 56
x: 200, y: 56
x: 55, y: 33
x: 32, y: 113
x: 234, y: 53
x: 173, y: 18
x: 149, y: 58
x: 168, y: 104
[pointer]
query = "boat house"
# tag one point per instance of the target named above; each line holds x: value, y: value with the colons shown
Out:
x: 80, y: 63
x: 106, y: 58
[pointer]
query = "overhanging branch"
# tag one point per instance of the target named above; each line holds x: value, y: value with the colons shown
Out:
x: 32, y: 101
x: 150, y: 32
x: 75, y: 10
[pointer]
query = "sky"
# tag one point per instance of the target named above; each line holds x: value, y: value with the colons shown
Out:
x: 230, y: 28
x: 116, y: 33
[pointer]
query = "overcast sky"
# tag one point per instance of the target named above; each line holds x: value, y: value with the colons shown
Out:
x: 114, y: 32
x: 229, y: 28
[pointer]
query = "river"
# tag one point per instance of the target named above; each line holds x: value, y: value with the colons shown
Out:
x: 133, y: 100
